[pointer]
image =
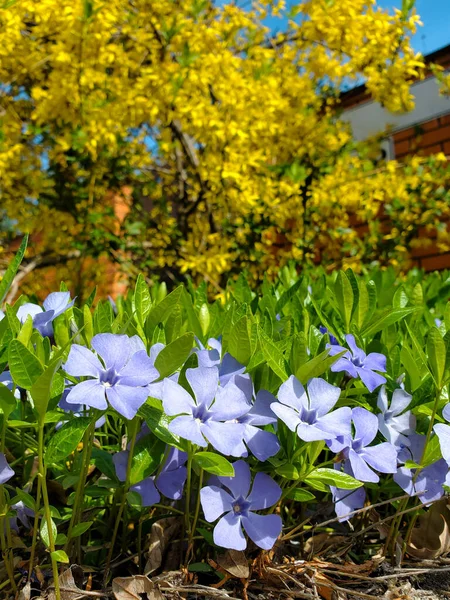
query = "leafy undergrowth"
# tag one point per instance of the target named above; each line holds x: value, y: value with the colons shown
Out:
x: 291, y: 441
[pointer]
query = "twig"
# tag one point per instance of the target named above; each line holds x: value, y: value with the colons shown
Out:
x: 202, y: 590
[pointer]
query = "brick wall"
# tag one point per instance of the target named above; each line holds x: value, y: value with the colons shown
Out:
x: 425, y: 138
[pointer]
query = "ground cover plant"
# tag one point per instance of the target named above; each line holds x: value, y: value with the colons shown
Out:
x: 235, y: 422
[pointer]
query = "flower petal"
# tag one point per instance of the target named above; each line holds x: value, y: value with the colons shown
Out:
x: 261, y: 413
x: 229, y: 368
x: 28, y: 309
x: 215, y: 501
x: 147, y: 491
x: 366, y: 425
x: 443, y: 433
x: 360, y: 468
x: 204, y: 382
x: 58, y: 302
x: 446, y: 412
x: 228, y: 533
x: 120, y: 460
x: 382, y: 401
x: 263, y: 529
x: 322, y: 395
x: 343, y: 364
x: 171, y: 483
x: 114, y: 349
x: 286, y: 414
x: 336, y: 423
x: 347, y: 501
x: 176, y: 400
x: 382, y: 457
x: 230, y: 403
x: 189, y: 429
x: 91, y: 393
x: 126, y: 400
x: 81, y: 362
x: 311, y: 433
x: 357, y: 352
x: 375, y: 362
x: 224, y: 437
x: 5, y: 470
x: 262, y: 444
x: 239, y: 485
x: 292, y: 393
x: 139, y: 370
x: 400, y: 401
x: 265, y: 492
x: 370, y: 379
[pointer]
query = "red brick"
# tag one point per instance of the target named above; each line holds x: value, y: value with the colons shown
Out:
x: 430, y: 250
x: 431, y: 150
x: 402, y: 148
x: 445, y: 120
x: 446, y: 147
x: 406, y: 134
x: 430, y: 125
x: 434, y: 137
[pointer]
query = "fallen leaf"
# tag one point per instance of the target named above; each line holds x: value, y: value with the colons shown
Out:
x: 431, y: 538
x: 25, y: 592
x: 323, y: 541
x: 235, y: 563
x: 161, y: 534
x: 138, y: 587
x: 69, y: 582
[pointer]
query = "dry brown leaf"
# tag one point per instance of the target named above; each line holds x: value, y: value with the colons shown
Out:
x: 69, y: 582
x: 432, y: 536
x: 138, y: 587
x: 25, y: 592
x: 323, y: 541
x: 161, y: 534
x: 235, y: 563
x: 326, y: 591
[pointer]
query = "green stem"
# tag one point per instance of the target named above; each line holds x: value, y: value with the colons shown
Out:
x: 47, y: 512
x: 35, y: 527
x: 196, y: 515
x: 4, y: 546
x: 133, y: 429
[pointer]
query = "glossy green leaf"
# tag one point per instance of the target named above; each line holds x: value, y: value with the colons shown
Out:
x: 214, y: 463
x: 345, y: 298
x: 147, y: 457
x: 64, y: 441
x: 335, y: 478
x: 12, y: 269
x: 24, y: 366
x: 173, y: 356
x: 436, y: 351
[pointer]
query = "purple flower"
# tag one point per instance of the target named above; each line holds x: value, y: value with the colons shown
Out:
x: 54, y: 305
x: 5, y: 470
x: 122, y: 378
x: 427, y: 484
x: 6, y: 380
x: 76, y: 410
x: 443, y: 432
x: 347, y: 501
x: 308, y: 414
x: 229, y: 367
x: 211, y: 415
x: 394, y: 425
x: 382, y: 457
x: 262, y: 444
x: 333, y: 341
x: 239, y: 506
x: 22, y: 514
x: 170, y: 482
x: 357, y: 363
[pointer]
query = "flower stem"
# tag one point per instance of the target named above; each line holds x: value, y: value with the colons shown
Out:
x: 190, y: 551
x: 47, y: 512
x: 35, y: 528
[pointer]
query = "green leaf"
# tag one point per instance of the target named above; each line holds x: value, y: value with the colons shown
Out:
x: 317, y: 366
x: 158, y: 422
x: 239, y: 343
x: 147, y: 457
x: 66, y: 439
x: 335, y: 478
x: 204, y: 318
x: 24, y: 366
x: 300, y: 495
x: 432, y: 452
x: 412, y: 368
x: 60, y: 556
x: 345, y: 297
x: 388, y: 317
x: 26, y: 330
x: 288, y: 471
x: 173, y: 356
x: 273, y: 355
x: 362, y: 307
x: 162, y: 311
x: 44, y: 531
x: 27, y: 499
x: 214, y: 463
x: 80, y: 528
x: 41, y: 390
x: 436, y: 351
x: 88, y: 323
x: 104, y: 463
x: 7, y: 401
x: 142, y: 300
x: 12, y: 269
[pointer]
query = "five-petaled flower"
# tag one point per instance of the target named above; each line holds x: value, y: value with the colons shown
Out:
x: 362, y: 458
x: 121, y: 378
x: 356, y: 363
x: 442, y: 430
x: 54, y: 305
x: 308, y: 413
x: 239, y: 504
x: 5, y: 470
x: 393, y: 422
x: 211, y: 416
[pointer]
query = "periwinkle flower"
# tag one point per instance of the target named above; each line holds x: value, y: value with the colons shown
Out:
x: 170, y: 482
x: 333, y: 341
x: 121, y: 379
x: 5, y: 470
x: 347, y: 501
x: 211, y: 416
x: 356, y: 363
x: 22, y: 514
x: 393, y: 422
x: 428, y: 483
x: 308, y: 413
x: 234, y: 498
x: 229, y: 368
x: 443, y: 432
x: 6, y: 380
x: 362, y: 457
x: 55, y: 305
x: 76, y: 410
x: 262, y: 444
